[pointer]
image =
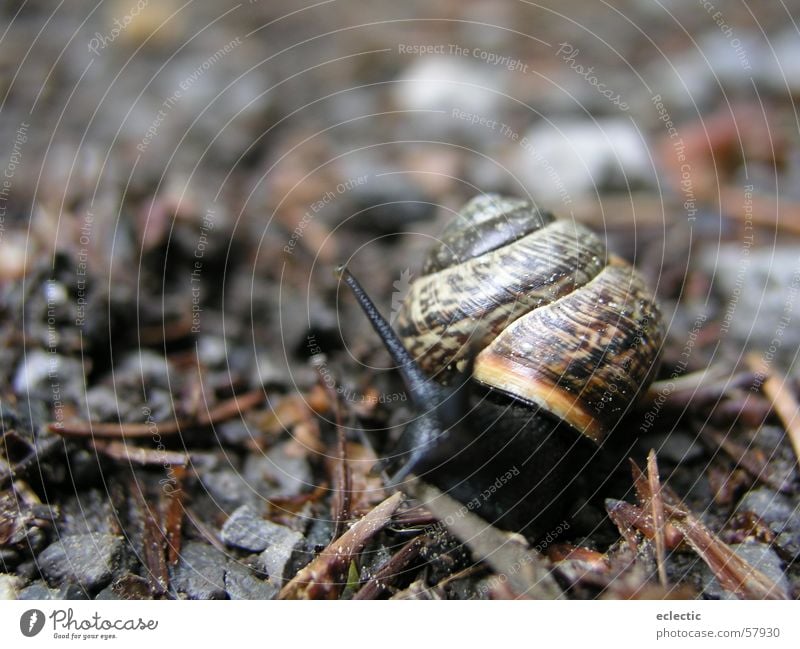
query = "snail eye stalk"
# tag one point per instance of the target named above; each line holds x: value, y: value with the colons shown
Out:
x: 439, y: 408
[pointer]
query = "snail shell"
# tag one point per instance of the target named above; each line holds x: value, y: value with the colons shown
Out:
x: 560, y: 323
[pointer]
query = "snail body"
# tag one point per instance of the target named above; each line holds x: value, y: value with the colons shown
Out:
x: 558, y: 339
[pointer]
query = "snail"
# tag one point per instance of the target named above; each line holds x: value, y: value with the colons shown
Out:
x: 522, y: 345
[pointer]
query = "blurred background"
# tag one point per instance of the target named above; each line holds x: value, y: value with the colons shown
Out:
x: 181, y: 178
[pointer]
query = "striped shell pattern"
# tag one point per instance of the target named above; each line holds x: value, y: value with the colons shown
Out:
x: 555, y: 320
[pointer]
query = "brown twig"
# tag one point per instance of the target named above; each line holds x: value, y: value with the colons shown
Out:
x: 221, y: 412
x: 776, y: 388
x: 325, y: 575
x: 121, y: 451
x: 525, y: 569
x: 381, y: 581
x: 173, y: 516
x: 734, y: 573
x: 153, y: 545
x: 657, y: 512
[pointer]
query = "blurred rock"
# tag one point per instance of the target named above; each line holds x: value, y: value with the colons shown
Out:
x: 779, y: 512
x: 88, y: 560
x: 200, y: 572
x: 282, y: 544
x: 49, y: 376
x: 758, y: 291
x: 9, y: 586
x: 278, y: 473
x: 38, y: 590
x: 437, y: 85
x: 241, y: 583
x: 247, y: 529
x: 562, y: 161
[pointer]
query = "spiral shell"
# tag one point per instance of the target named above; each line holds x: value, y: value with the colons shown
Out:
x: 559, y: 324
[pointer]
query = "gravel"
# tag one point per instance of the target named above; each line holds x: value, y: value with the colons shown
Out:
x: 88, y: 560
x: 200, y: 573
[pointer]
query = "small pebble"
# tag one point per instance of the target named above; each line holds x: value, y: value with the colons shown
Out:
x: 248, y: 530
x: 10, y: 586
x: 241, y: 583
x: 282, y: 545
x: 38, y: 590
x: 200, y: 572
x: 88, y: 560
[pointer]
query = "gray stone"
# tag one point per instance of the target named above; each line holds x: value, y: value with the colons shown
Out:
x: 228, y: 488
x: 779, y: 512
x: 277, y: 473
x: 44, y: 375
x: 38, y: 590
x: 200, y: 572
x: 10, y: 586
x: 88, y: 560
x: 756, y: 288
x: 274, y: 559
x: 676, y: 447
x: 241, y: 583
x: 248, y: 530
x: 762, y: 557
